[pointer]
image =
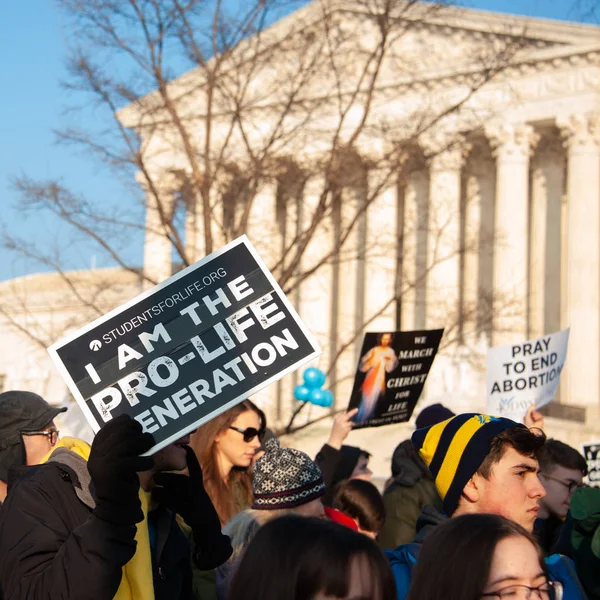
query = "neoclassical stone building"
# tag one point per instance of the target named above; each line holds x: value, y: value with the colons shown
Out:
x: 490, y: 227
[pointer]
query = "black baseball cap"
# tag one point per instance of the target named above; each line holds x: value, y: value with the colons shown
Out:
x: 21, y: 411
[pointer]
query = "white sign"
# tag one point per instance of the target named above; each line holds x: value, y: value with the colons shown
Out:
x: 524, y: 375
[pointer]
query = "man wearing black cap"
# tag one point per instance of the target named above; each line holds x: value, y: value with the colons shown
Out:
x: 27, y: 432
x: 99, y: 522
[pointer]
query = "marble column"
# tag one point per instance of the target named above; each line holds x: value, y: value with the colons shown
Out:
x: 443, y: 261
x: 547, y: 189
x: 414, y: 258
x: 478, y: 269
x: 194, y: 225
x: 512, y: 144
x: 157, y: 245
x: 582, y: 136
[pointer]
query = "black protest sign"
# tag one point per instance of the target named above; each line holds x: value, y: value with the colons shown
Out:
x: 189, y: 348
x: 391, y: 374
x: 591, y: 452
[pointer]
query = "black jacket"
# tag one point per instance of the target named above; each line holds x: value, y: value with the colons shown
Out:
x: 53, y: 546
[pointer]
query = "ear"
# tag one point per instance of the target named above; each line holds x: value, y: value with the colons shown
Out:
x: 472, y: 491
x: 220, y: 435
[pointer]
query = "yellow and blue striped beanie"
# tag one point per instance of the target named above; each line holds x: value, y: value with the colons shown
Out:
x: 454, y: 449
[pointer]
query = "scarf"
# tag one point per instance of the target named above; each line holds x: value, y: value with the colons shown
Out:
x: 136, y: 582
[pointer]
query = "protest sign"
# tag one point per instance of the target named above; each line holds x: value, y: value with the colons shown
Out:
x: 525, y: 374
x: 391, y: 374
x: 189, y: 348
x: 590, y: 451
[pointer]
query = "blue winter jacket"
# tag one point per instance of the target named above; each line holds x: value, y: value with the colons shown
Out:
x: 404, y: 558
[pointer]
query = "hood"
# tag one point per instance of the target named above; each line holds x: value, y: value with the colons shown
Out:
x: 427, y: 521
x: 407, y: 466
x: 348, y: 460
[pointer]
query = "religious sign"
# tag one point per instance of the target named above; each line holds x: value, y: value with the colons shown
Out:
x: 391, y: 374
x: 525, y: 374
x: 188, y: 349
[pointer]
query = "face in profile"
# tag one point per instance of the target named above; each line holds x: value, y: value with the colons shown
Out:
x: 235, y: 451
x: 361, y: 470
x: 515, y: 567
x: 174, y: 456
x: 314, y: 508
x: 513, y: 489
x: 39, y: 444
x: 559, y: 483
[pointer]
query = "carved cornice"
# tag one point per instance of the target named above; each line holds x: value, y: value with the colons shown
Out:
x: 459, y: 34
x: 554, y: 75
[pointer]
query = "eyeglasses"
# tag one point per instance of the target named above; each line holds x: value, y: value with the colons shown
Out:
x: 249, y: 433
x: 570, y: 485
x: 549, y: 590
x: 52, y: 435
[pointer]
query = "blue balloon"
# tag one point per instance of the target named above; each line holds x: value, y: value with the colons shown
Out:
x: 327, y: 398
x: 301, y: 392
x: 314, y: 378
x: 317, y: 396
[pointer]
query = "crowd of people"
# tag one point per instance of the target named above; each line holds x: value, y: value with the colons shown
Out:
x: 475, y: 507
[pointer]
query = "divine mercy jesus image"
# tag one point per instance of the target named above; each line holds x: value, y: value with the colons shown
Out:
x: 378, y: 361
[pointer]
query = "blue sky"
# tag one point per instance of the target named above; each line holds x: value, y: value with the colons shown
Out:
x: 33, y: 44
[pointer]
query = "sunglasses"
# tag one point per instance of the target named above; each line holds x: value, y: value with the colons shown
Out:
x: 250, y: 433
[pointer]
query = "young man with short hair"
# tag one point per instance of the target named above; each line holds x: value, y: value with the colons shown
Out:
x: 562, y: 470
x: 480, y: 464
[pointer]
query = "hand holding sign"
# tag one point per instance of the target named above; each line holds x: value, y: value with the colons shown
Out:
x: 534, y: 419
x: 113, y: 466
x: 342, y: 426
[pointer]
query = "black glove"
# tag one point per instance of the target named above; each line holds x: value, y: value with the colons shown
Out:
x: 113, y: 466
x: 187, y: 497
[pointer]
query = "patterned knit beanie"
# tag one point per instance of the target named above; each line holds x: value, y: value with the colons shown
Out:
x: 285, y: 478
x: 454, y: 449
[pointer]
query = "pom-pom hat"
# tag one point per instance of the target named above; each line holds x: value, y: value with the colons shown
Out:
x: 285, y: 478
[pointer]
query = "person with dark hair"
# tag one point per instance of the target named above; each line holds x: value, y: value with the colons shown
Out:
x: 481, y: 556
x: 27, y: 432
x: 562, y: 470
x: 480, y: 464
x: 339, y: 462
x: 225, y: 447
x: 100, y: 521
x: 361, y: 501
x: 293, y: 558
x: 411, y: 487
